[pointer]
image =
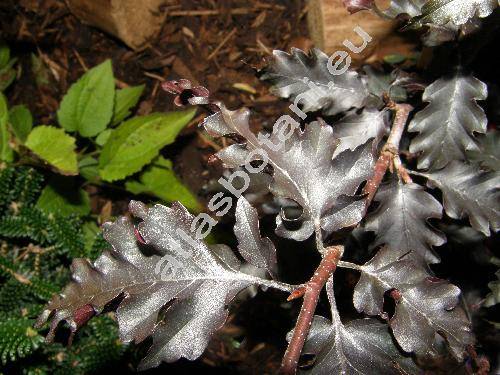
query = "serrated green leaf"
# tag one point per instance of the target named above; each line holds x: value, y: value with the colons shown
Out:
x: 160, y: 181
x: 21, y: 121
x: 103, y: 137
x: 88, y: 105
x: 89, y: 168
x: 137, y: 141
x: 62, y: 196
x: 6, y: 153
x: 55, y: 147
x: 125, y: 100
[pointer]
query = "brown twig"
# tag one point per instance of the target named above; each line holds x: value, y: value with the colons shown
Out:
x: 311, y: 291
x: 221, y: 44
x: 389, y: 151
x: 402, y: 171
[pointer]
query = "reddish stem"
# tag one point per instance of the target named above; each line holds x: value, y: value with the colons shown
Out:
x: 311, y: 291
x: 389, y: 151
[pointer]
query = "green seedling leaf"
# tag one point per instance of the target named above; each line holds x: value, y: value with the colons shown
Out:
x: 63, y: 196
x: 21, y: 121
x: 4, y: 55
x: 125, y: 100
x: 6, y: 153
x: 89, y: 168
x: 160, y: 181
x: 103, y: 137
x: 55, y: 147
x: 137, y: 141
x: 88, y: 105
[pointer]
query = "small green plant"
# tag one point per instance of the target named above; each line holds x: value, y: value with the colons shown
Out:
x: 36, y: 248
x: 98, y: 140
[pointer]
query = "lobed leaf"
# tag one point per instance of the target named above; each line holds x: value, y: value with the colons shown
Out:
x: 88, y: 106
x: 355, y: 129
x: 469, y: 191
x: 488, y: 155
x: 400, y: 221
x: 424, y: 305
x: 55, y: 147
x: 304, y: 170
x: 258, y: 251
x: 189, y: 282
x: 456, y: 12
x: 362, y: 346
x: 137, y: 141
x: 447, y: 124
x: 299, y: 74
x: 445, y: 19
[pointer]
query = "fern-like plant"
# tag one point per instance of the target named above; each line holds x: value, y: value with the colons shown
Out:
x: 36, y: 249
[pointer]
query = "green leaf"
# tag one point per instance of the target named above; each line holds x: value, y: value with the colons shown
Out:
x: 40, y: 71
x: 137, y: 141
x: 103, y: 137
x: 6, y: 153
x: 90, y: 231
x: 394, y: 59
x: 88, y: 105
x: 21, y: 121
x: 63, y: 196
x: 4, y: 55
x: 55, y: 147
x: 125, y: 100
x: 89, y: 168
x: 7, y: 74
x: 160, y: 181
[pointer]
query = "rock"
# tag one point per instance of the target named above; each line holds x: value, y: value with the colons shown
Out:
x: 132, y: 21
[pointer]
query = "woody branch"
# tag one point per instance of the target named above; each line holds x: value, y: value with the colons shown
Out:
x: 390, y: 151
x: 310, y: 291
